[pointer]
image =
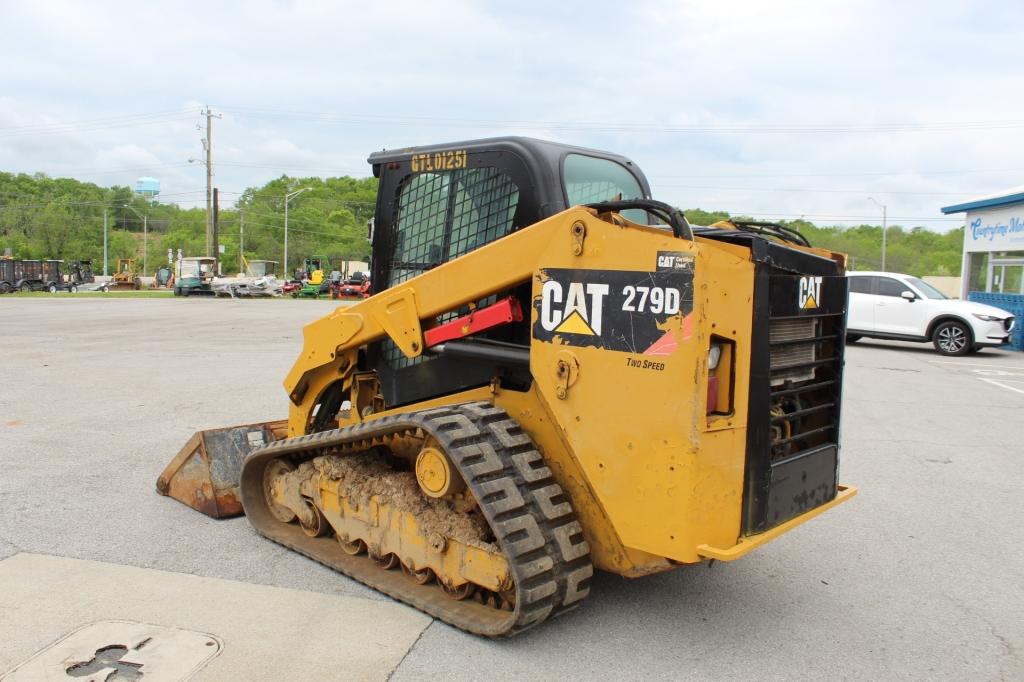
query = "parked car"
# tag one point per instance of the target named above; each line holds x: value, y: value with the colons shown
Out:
x: 889, y: 305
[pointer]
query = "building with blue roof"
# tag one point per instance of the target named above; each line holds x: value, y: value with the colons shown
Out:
x: 993, y: 255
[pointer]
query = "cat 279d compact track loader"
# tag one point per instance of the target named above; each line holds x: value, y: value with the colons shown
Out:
x: 557, y: 374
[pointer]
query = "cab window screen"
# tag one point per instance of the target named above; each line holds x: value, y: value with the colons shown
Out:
x: 589, y: 180
x: 441, y: 216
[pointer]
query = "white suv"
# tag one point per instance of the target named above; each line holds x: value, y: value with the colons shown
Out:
x: 888, y: 305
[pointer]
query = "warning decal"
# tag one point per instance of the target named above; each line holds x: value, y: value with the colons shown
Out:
x: 617, y: 310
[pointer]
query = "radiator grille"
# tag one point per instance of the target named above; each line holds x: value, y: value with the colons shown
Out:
x: 805, y: 367
x: 792, y: 362
x: 799, y: 334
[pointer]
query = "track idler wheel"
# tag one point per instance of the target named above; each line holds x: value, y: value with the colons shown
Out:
x: 274, y: 475
x: 313, y: 522
x: 505, y: 600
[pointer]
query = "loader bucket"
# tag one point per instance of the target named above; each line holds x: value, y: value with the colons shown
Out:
x: 205, y: 473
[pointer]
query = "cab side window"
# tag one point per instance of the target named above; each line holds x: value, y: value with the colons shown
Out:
x: 887, y: 286
x: 860, y: 285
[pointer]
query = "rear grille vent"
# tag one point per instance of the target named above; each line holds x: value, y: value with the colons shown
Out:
x: 805, y: 367
x: 795, y: 386
x: 787, y: 352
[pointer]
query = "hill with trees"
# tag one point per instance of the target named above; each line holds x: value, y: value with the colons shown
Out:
x: 43, y: 217
x: 917, y: 251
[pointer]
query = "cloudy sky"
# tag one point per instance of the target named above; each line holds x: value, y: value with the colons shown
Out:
x: 776, y: 109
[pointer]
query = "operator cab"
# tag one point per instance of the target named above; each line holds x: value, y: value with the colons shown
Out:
x: 439, y: 202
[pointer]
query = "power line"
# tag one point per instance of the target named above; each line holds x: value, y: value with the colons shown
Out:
x: 269, y: 226
x: 104, y: 120
x: 330, y: 169
x: 835, y: 216
x: 862, y: 174
x: 612, y: 126
x: 811, y: 189
x: 291, y: 220
x: 55, y: 128
x: 96, y: 170
x: 93, y: 202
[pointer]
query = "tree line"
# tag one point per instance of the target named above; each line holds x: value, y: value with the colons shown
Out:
x: 43, y: 217
x: 916, y: 250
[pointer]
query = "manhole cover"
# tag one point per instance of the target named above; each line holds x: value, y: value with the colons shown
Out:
x: 120, y: 651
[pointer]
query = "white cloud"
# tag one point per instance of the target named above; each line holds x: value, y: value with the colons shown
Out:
x: 389, y: 72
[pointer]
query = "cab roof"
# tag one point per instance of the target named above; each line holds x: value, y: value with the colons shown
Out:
x: 527, y: 147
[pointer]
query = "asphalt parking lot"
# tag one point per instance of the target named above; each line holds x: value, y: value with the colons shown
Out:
x: 918, y: 577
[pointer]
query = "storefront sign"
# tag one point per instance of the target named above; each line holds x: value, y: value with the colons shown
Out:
x: 995, y: 230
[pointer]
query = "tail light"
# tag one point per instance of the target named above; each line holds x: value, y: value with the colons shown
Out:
x: 721, y: 354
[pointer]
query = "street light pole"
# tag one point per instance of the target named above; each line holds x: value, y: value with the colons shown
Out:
x: 145, y: 237
x: 104, y: 242
x: 287, y: 198
x: 884, y: 226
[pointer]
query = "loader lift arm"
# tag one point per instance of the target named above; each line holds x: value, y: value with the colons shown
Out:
x: 330, y: 344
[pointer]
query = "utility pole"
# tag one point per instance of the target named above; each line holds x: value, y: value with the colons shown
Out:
x: 884, y: 226
x: 287, y: 198
x: 884, y: 230
x: 208, y: 147
x: 241, y: 241
x: 104, y: 241
x: 216, y: 231
x: 145, y: 236
x: 209, y: 176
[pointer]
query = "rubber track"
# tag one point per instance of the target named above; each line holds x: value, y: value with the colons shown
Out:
x: 529, y: 514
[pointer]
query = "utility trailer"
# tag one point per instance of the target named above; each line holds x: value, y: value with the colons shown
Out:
x: 31, y: 275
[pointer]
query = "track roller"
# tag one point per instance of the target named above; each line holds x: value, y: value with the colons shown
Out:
x: 506, y: 483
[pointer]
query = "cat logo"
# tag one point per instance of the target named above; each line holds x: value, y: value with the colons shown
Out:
x: 809, y: 292
x: 582, y: 312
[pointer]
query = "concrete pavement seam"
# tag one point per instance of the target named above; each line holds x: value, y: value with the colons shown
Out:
x: 409, y: 650
x: 16, y: 548
x: 1008, y: 650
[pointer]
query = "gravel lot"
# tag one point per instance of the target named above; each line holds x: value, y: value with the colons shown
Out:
x: 918, y: 577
